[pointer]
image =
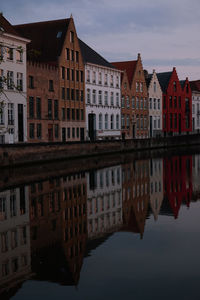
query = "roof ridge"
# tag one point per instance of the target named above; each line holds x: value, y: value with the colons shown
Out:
x: 42, y: 22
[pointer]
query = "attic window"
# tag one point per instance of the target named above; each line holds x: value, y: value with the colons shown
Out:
x: 59, y: 34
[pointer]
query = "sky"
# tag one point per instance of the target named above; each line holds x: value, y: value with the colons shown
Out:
x: 165, y: 32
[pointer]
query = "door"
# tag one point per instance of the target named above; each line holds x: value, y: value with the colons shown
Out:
x: 20, y: 123
x: 92, y: 126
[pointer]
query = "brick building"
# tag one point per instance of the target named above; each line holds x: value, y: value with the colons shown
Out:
x: 56, y: 43
x: 134, y: 105
x: 177, y: 103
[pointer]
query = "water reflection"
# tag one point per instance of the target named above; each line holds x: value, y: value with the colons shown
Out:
x: 48, y: 227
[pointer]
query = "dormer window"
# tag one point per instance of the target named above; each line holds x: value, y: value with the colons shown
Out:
x: 59, y: 34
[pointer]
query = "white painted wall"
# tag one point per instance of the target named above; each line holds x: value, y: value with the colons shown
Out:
x: 93, y: 82
x: 9, y: 133
x: 196, y: 111
x: 155, y: 105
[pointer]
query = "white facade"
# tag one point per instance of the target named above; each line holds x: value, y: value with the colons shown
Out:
x: 13, y: 112
x: 156, y: 186
x: 104, y: 203
x: 155, y: 106
x: 195, y: 112
x: 102, y: 98
x: 15, y: 253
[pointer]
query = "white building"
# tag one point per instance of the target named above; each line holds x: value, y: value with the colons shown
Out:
x: 195, y: 87
x: 13, y: 111
x: 102, y: 94
x: 104, y: 201
x: 15, y: 253
x: 155, y: 105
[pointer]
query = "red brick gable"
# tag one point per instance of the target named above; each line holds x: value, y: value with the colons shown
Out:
x: 128, y: 66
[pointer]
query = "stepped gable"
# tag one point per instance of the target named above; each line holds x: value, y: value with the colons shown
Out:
x: 164, y: 79
x: 148, y: 79
x: 6, y: 27
x: 195, y: 85
x: 128, y: 66
x: 91, y: 56
x: 47, y: 39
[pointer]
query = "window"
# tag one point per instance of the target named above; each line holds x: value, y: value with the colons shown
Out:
x: 71, y: 36
x: 49, y: 109
x: 123, y: 102
x: 171, y: 121
x: 117, y: 99
x: 127, y: 102
x: 133, y: 102
x: 117, y: 81
x: 31, y: 107
x: 31, y: 131
x: 174, y: 85
x: 72, y: 73
x: 100, y: 97
x: 88, y: 96
x: 106, y: 79
x: 77, y: 114
x: 63, y: 72
x: 72, y: 94
x: 10, y: 114
x: 51, y: 85
x: 117, y: 121
x: 1, y: 114
x: 72, y: 55
x: 106, y: 98
x: 154, y: 87
x: 10, y: 53
x: 38, y: 108
x: 94, y: 77
x: 68, y: 93
x: 77, y: 75
x: 77, y: 95
x: 73, y: 114
x: 111, y: 99
x: 68, y: 114
x: 154, y: 103
x: 81, y: 76
x: 158, y: 123
x: 170, y: 101
x: 175, y: 120
x: 77, y: 132
x: 10, y: 80
x: 73, y: 132
x: 67, y: 54
x: 141, y: 86
x: 111, y: 80
x: 137, y: 103
x: 39, y: 131
x: 19, y: 81
x: 63, y: 93
x: 94, y: 96
x: 31, y: 82
x: 77, y: 56
x: 63, y: 114
x: 68, y: 132
x: 158, y: 103
x: 154, y: 123
x: 1, y: 79
x: 127, y: 121
x: 141, y: 103
x: 175, y: 101
x: 88, y: 75
x: 56, y: 109
x: 82, y: 114
x: 112, y: 122
x: 100, y: 78
x: 123, y: 121
x: 141, y: 122
x: 82, y: 96
x: 100, y: 121
x: 106, y: 121
x: 137, y: 86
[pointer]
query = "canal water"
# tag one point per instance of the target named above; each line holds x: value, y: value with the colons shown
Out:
x: 128, y: 231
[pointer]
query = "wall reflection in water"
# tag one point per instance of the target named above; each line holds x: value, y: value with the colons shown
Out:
x: 48, y: 227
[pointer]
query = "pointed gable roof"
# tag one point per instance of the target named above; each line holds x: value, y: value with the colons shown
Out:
x: 128, y: 66
x: 47, y: 38
x: 6, y: 27
x: 164, y: 79
x: 91, y: 56
x: 195, y: 85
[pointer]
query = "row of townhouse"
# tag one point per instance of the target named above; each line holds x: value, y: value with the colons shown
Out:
x: 54, y: 87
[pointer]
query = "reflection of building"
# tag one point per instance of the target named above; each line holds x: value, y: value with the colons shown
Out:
x: 156, y: 185
x: 104, y: 202
x: 58, y: 228
x: 15, y: 263
x: 177, y: 182
x: 135, y: 187
x: 196, y: 176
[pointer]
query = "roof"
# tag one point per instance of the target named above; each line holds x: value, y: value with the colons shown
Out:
x: 164, y: 79
x: 128, y: 66
x: 195, y: 85
x: 182, y: 82
x: 91, y: 56
x: 6, y: 27
x: 47, y: 39
x: 148, y: 79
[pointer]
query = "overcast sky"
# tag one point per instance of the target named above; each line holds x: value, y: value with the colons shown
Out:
x: 166, y: 33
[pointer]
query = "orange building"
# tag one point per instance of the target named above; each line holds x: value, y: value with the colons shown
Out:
x: 55, y: 43
x: 134, y: 104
